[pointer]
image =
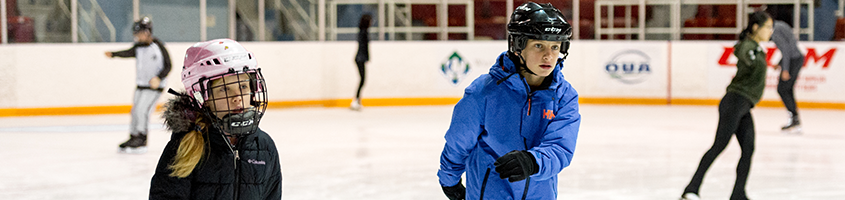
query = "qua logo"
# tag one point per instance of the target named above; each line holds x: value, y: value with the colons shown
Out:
x: 454, y: 68
x: 629, y: 67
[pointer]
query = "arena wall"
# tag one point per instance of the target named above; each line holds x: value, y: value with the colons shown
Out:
x: 39, y: 79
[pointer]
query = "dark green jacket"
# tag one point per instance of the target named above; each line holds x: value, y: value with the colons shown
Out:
x: 750, y: 79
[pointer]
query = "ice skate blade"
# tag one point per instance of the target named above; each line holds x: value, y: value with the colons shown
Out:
x: 355, y: 105
x: 690, y: 196
x: 793, y: 131
x: 132, y: 150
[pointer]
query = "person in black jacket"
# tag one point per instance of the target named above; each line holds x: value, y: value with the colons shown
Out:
x: 216, y: 150
x: 362, y: 56
x: 152, y: 66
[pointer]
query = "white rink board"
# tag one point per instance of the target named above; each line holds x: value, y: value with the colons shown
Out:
x: 81, y: 75
x: 619, y: 69
x: 73, y: 75
x: 322, y: 71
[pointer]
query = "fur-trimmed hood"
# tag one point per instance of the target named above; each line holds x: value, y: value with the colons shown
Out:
x: 180, y: 112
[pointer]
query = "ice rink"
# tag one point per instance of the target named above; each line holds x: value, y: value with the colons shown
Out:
x: 623, y: 152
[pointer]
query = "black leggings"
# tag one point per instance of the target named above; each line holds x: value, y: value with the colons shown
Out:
x: 361, y: 70
x: 785, y: 88
x: 734, y: 118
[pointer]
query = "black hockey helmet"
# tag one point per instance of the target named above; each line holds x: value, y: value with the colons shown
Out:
x: 143, y: 24
x: 540, y: 22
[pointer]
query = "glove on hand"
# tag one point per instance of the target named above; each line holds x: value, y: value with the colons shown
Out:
x: 516, y: 165
x: 456, y: 192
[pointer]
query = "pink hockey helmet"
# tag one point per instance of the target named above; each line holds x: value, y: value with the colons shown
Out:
x: 208, y: 61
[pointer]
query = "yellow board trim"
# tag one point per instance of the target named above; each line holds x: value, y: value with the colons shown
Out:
x: 86, y: 110
x: 365, y: 102
x: 94, y: 110
x: 623, y: 101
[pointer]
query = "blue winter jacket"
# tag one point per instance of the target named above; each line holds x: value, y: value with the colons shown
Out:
x: 498, y: 114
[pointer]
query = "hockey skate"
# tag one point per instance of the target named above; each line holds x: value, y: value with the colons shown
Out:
x: 690, y: 196
x: 135, y: 145
x: 356, y: 104
x: 793, y: 126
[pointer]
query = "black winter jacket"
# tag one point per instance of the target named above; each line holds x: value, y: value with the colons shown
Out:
x: 363, y: 54
x: 250, y: 170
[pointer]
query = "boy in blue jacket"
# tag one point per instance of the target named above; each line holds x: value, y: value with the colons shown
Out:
x: 515, y: 128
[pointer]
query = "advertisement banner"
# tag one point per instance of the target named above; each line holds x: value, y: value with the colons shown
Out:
x: 820, y: 80
x: 625, y: 70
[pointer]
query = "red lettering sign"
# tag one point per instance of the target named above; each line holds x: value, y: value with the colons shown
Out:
x: 725, y: 55
x: 811, y: 55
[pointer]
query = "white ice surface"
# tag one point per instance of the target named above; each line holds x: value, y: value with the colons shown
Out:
x: 623, y: 152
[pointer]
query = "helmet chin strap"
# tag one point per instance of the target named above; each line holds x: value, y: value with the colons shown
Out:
x: 239, y: 123
x: 521, y: 65
x: 560, y: 60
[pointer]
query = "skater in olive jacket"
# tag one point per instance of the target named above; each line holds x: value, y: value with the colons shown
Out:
x: 742, y: 94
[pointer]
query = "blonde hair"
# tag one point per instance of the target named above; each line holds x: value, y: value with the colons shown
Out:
x: 189, y: 153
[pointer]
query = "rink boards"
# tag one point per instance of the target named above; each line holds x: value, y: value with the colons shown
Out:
x: 78, y: 78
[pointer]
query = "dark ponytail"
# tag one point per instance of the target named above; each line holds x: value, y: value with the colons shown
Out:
x: 365, y: 22
x: 759, y: 18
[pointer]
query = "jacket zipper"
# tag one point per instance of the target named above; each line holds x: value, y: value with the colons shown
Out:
x: 235, y: 162
x: 525, y: 144
x: 528, y: 94
x: 527, y: 180
x: 525, y: 191
x: 484, y: 184
x: 529, y: 105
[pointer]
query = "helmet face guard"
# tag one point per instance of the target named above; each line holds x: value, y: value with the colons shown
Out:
x: 236, y: 100
x: 227, y: 84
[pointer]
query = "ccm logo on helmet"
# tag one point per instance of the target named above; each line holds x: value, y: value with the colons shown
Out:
x: 243, y: 123
x: 236, y: 57
x: 553, y: 29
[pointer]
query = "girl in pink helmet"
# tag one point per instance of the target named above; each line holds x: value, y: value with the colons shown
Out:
x: 216, y: 150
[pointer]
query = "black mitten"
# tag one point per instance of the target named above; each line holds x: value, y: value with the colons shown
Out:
x: 516, y: 165
x: 456, y: 192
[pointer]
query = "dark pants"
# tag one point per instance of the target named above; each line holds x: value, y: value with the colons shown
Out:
x: 786, y: 87
x: 734, y: 118
x: 361, y: 70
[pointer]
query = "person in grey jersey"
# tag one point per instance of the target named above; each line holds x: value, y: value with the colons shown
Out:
x: 790, y: 64
x: 152, y: 66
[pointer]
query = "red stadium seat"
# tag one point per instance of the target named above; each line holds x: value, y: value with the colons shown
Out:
x: 21, y: 29
x: 839, y: 31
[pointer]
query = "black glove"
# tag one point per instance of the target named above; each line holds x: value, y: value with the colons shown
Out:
x: 516, y: 165
x: 456, y: 192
